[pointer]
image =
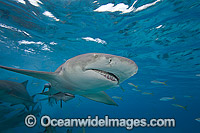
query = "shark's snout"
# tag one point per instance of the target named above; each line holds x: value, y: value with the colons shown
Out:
x: 113, y: 68
x: 124, y: 68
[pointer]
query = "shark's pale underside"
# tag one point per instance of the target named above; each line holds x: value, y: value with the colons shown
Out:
x: 87, y: 75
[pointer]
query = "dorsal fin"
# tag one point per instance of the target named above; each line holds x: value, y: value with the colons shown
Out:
x: 25, y: 83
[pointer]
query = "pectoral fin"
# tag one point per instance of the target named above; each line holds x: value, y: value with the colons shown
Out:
x: 36, y: 74
x: 100, y: 97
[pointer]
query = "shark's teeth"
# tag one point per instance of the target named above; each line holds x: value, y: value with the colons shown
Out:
x: 106, y: 75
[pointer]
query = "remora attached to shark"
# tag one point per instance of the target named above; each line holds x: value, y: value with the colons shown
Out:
x: 87, y: 75
x: 57, y: 97
x: 15, y: 93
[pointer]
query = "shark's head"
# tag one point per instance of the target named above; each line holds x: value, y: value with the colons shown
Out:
x: 98, y: 70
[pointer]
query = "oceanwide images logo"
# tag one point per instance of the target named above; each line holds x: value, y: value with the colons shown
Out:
x: 46, y: 121
x: 30, y: 121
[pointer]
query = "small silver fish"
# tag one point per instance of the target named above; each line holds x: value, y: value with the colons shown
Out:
x: 197, y: 119
x: 133, y: 85
x: 167, y: 98
x: 187, y: 96
x: 136, y: 90
x: 177, y: 105
x: 158, y: 82
x: 198, y: 75
x: 116, y: 97
x: 147, y: 93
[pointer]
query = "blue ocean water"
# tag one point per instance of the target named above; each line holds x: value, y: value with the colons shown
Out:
x: 162, y: 37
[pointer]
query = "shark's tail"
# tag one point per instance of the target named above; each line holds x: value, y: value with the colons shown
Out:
x: 48, y: 76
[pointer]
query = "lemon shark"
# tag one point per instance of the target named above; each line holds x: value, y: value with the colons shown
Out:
x: 87, y: 75
x: 15, y: 93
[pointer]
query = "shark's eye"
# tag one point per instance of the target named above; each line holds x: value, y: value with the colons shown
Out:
x: 95, y: 55
x: 110, y: 60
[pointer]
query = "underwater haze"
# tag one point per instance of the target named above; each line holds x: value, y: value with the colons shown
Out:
x: 161, y: 36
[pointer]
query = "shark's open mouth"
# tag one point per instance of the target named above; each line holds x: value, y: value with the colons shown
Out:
x: 108, y: 75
